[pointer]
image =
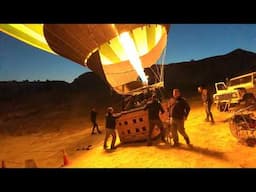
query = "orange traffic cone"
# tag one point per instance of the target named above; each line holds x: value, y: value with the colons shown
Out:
x: 30, y: 163
x: 66, y: 162
x: 3, y: 164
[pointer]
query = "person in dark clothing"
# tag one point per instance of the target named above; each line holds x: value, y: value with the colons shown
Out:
x: 154, y: 107
x: 110, y: 127
x: 207, y: 102
x: 171, y: 103
x: 94, y: 122
x: 247, y: 98
x: 179, y: 112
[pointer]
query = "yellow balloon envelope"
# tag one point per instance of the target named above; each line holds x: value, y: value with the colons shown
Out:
x: 118, y: 53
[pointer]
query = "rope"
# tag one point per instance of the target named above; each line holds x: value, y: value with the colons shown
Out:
x: 162, y: 65
x: 158, y: 72
x: 14, y: 162
x: 160, y: 69
x: 39, y: 151
x: 156, y: 75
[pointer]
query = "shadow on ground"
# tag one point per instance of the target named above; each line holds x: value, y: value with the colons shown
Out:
x: 192, y: 148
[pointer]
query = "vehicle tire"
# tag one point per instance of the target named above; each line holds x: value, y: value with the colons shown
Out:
x: 222, y: 107
x: 250, y: 142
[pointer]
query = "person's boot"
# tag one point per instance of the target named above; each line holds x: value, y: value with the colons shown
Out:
x: 176, y: 144
x: 163, y: 139
x: 187, y: 140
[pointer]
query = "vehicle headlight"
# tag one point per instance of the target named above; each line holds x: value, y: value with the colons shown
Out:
x: 234, y: 95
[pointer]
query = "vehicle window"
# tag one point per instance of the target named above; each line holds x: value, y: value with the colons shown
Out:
x: 243, y: 80
x: 221, y: 87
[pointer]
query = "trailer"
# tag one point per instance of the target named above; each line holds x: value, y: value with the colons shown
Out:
x: 243, y: 125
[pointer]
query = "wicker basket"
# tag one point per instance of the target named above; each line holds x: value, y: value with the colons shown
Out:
x: 133, y: 126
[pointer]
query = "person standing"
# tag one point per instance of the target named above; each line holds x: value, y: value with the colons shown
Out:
x: 207, y: 102
x: 110, y: 127
x: 154, y: 107
x: 179, y: 112
x: 94, y: 121
x: 247, y: 98
x: 168, y: 133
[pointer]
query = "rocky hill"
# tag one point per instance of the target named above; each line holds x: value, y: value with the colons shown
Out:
x: 89, y: 89
x: 188, y: 75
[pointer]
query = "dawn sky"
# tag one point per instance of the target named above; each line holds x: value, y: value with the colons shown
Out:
x: 19, y: 61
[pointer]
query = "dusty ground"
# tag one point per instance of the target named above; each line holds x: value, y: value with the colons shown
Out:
x: 213, y: 147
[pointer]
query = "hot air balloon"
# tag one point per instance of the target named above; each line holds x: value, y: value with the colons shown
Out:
x: 118, y: 53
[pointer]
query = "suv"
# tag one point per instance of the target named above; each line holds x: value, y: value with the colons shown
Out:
x: 228, y: 95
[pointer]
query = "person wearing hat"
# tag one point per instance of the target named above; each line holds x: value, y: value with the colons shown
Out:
x: 247, y: 98
x: 93, y: 120
x: 110, y: 127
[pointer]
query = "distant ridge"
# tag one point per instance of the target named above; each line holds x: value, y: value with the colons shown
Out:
x: 209, y: 70
x: 185, y: 75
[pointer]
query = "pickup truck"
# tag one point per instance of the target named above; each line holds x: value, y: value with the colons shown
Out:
x: 228, y: 94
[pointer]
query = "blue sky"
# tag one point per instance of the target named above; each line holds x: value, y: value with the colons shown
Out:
x: 19, y: 61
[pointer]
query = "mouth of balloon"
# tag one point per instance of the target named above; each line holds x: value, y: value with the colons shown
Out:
x: 133, y: 56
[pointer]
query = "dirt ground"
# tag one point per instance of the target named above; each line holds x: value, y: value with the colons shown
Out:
x: 213, y: 147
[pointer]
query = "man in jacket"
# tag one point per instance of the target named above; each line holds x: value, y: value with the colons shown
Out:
x: 179, y: 112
